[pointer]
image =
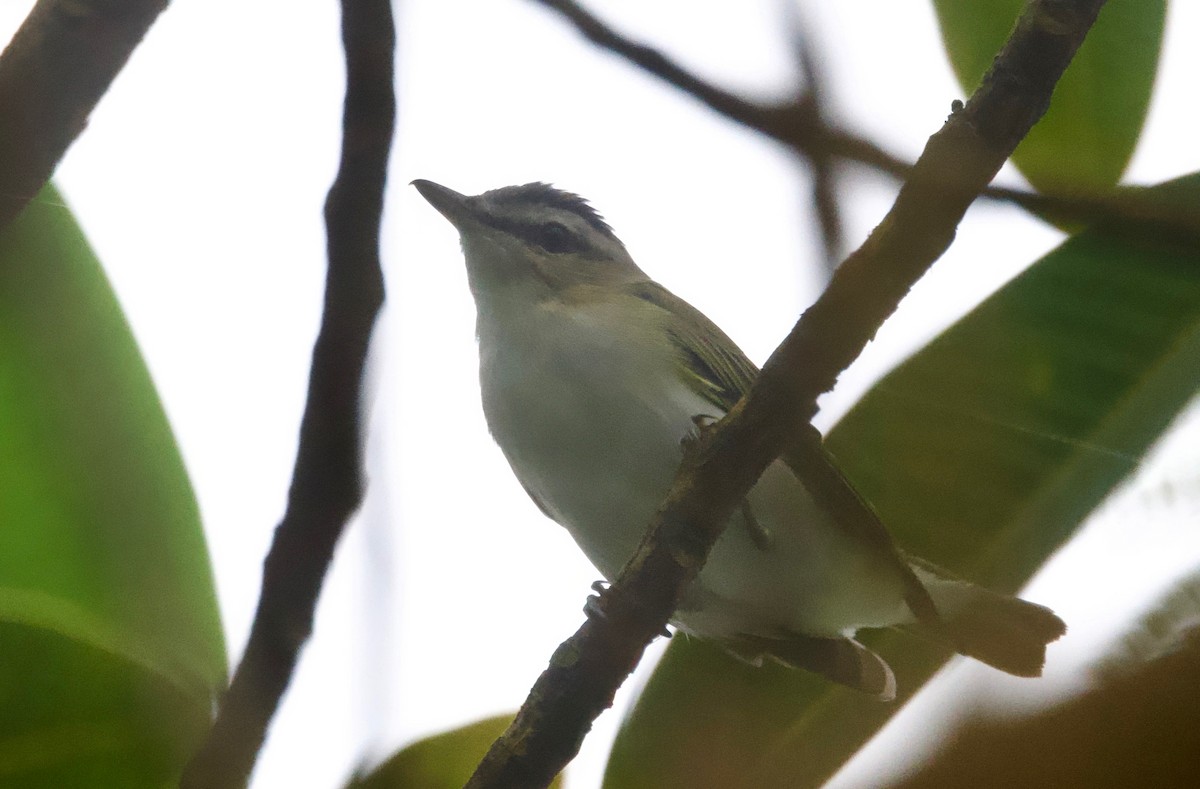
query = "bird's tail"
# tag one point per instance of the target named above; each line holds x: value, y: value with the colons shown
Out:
x: 1003, y: 631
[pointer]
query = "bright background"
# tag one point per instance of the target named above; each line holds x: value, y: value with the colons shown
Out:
x: 200, y: 182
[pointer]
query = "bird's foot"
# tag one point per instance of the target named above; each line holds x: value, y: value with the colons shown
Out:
x: 593, y: 607
x: 759, y: 534
x: 691, y: 439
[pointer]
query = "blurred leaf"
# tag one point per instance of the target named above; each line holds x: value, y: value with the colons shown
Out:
x: 983, y: 452
x: 111, y: 648
x: 444, y: 761
x: 1167, y: 628
x: 1087, y: 137
x: 1139, y: 726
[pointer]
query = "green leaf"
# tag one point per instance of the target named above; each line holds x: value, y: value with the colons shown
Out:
x: 444, y: 761
x: 1087, y: 137
x: 983, y: 453
x: 111, y: 650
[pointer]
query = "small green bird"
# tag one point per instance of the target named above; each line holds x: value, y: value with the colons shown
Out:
x: 592, y: 374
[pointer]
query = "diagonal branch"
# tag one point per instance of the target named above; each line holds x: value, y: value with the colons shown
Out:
x: 792, y: 123
x: 956, y: 165
x: 52, y: 74
x: 327, y: 482
x: 795, y: 125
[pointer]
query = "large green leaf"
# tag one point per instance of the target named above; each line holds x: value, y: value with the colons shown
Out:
x: 983, y: 452
x: 443, y: 761
x: 110, y: 642
x: 1088, y: 135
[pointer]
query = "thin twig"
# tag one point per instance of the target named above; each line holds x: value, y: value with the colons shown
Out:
x: 956, y: 165
x: 793, y: 124
x: 327, y: 481
x: 53, y: 72
x: 824, y: 197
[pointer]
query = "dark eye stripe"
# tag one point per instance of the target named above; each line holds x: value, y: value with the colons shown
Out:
x: 555, y: 237
x: 550, y: 236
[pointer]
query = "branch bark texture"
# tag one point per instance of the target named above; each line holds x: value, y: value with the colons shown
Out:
x: 52, y: 74
x: 327, y: 482
x: 956, y: 165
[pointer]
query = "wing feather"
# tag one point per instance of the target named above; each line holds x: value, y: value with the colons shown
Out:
x: 716, y: 369
x: 721, y: 373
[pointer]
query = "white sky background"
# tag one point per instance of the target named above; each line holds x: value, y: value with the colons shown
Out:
x: 200, y: 182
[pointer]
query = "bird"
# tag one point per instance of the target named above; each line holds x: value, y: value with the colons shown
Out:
x: 593, y: 376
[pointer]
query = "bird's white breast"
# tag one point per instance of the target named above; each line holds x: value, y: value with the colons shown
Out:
x: 587, y: 405
x: 591, y: 425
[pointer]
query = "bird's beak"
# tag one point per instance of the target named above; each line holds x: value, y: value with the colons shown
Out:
x: 448, y: 202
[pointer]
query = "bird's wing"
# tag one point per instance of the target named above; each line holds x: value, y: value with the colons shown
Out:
x: 719, y: 372
x: 716, y: 368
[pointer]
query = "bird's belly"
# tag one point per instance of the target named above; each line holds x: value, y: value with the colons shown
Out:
x: 599, y: 470
x: 600, y: 459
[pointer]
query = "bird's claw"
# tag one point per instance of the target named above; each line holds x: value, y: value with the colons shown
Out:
x: 702, y: 422
x: 593, y: 607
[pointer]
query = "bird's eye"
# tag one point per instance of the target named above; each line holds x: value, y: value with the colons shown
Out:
x: 554, y: 237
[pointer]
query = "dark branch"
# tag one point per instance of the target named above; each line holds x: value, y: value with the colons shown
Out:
x: 52, y: 74
x: 327, y: 482
x: 651, y: 60
x: 795, y: 125
x: 792, y: 123
x: 956, y: 165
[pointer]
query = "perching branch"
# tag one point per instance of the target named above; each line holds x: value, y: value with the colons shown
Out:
x: 53, y: 72
x: 956, y: 165
x: 795, y: 125
x: 327, y: 481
